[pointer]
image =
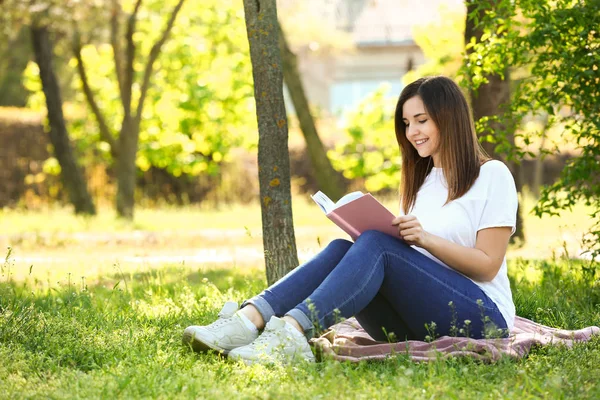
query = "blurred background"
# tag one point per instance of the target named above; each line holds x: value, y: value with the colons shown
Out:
x: 79, y: 77
x: 198, y: 134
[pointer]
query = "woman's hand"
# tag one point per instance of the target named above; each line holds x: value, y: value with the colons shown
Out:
x: 411, y: 231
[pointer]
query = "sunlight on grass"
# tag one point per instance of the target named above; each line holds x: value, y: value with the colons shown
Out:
x: 235, y: 226
x: 95, y: 308
x: 119, y: 335
x: 56, y: 247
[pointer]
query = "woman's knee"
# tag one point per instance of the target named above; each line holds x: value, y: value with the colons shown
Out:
x: 371, y: 234
x: 342, y: 245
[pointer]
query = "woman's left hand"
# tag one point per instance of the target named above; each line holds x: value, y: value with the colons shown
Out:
x: 411, y: 231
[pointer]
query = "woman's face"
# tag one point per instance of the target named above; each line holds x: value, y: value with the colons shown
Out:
x: 421, y: 131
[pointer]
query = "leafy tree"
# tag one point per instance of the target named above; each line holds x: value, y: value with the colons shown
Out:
x: 488, y: 100
x: 555, y: 47
x: 124, y: 147
x: 200, y: 104
x: 273, y: 156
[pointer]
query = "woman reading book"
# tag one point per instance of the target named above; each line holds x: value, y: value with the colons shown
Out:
x: 444, y: 273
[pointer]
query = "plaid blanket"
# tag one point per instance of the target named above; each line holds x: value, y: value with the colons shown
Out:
x: 347, y: 341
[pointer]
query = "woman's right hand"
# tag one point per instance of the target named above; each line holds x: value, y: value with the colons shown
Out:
x: 411, y: 231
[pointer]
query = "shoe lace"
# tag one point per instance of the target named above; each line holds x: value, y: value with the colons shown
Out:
x: 266, y: 336
x: 221, y: 321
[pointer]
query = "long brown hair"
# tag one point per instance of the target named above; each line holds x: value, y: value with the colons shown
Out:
x: 461, y: 155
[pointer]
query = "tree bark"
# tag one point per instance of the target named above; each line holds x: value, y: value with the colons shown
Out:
x: 273, y: 156
x: 71, y: 175
x: 130, y: 128
x: 126, y: 168
x: 488, y: 101
x: 328, y: 179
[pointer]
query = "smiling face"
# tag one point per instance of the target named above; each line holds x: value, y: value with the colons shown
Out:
x: 420, y: 129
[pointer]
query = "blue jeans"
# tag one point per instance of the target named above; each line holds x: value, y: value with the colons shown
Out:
x: 388, y: 286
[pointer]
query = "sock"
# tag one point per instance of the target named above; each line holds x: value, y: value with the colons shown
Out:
x: 247, y: 322
x: 294, y: 330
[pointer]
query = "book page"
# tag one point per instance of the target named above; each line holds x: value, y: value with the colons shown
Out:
x: 348, y: 198
x: 327, y: 205
x: 323, y: 201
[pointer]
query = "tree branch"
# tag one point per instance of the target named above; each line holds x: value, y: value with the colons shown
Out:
x: 116, y: 45
x: 130, y: 56
x: 105, y: 133
x: 152, y: 58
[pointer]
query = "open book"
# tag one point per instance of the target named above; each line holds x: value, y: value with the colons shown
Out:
x: 357, y: 212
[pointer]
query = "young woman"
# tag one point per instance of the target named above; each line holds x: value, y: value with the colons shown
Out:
x: 444, y: 274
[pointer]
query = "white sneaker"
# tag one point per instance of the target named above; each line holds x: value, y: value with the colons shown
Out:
x: 223, y: 335
x: 279, y: 342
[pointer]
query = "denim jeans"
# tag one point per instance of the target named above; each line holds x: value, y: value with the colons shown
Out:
x: 388, y: 286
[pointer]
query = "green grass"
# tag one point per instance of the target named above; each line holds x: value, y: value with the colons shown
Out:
x: 118, y: 335
x: 80, y: 321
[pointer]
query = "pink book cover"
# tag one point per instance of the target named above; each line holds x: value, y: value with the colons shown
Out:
x: 363, y: 214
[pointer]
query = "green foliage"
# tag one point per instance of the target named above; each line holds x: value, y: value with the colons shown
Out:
x: 202, y: 99
x: 554, y: 49
x: 371, y: 151
x: 200, y: 104
x: 577, y: 281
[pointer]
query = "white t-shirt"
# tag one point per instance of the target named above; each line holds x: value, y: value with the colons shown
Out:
x: 490, y: 202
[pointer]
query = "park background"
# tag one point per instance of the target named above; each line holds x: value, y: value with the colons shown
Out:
x: 103, y: 270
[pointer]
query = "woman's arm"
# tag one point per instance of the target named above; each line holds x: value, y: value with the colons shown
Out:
x: 480, y: 263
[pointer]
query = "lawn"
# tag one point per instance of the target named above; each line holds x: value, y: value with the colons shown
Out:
x: 91, y: 308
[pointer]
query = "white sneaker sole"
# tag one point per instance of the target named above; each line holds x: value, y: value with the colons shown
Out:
x: 191, y: 339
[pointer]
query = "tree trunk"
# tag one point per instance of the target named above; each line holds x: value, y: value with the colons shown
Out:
x: 328, y: 179
x: 273, y: 157
x: 71, y: 174
x: 488, y: 100
x: 126, y: 168
x: 130, y: 128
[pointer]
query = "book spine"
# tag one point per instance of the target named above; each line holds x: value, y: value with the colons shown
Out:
x: 346, y: 227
